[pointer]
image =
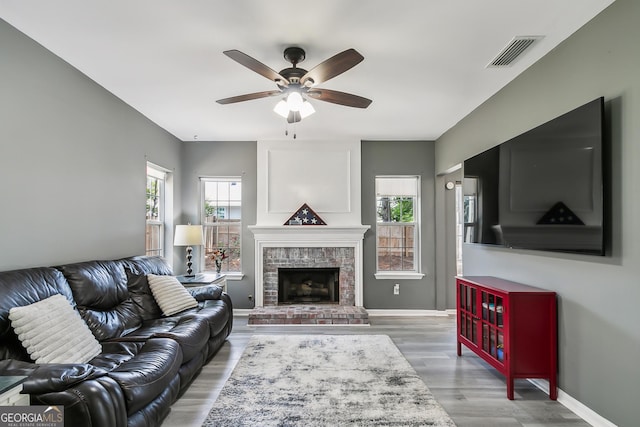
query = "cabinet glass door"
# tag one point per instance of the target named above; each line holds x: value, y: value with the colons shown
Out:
x: 468, y: 310
x: 492, y: 322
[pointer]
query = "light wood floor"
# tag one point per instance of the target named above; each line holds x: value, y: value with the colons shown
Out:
x: 472, y: 392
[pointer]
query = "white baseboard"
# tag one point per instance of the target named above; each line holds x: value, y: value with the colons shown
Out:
x: 575, y: 406
x: 244, y: 312
x: 408, y: 313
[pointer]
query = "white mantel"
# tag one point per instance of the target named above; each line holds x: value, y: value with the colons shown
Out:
x: 321, y: 234
x: 308, y: 236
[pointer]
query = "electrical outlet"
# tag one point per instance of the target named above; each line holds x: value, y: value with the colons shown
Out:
x: 396, y: 289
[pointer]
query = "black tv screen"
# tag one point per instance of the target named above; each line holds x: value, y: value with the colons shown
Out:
x: 543, y: 189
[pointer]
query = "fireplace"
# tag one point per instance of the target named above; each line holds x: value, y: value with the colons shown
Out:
x: 326, y: 176
x: 305, y: 247
x: 339, y: 259
x: 308, y: 285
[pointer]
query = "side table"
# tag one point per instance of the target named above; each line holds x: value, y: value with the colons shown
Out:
x: 10, y: 388
x: 204, y: 279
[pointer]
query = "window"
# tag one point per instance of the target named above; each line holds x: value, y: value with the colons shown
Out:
x: 222, y: 221
x: 155, y: 211
x: 470, y: 213
x: 397, y: 226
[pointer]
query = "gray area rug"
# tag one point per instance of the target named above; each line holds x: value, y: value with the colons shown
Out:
x: 325, y: 380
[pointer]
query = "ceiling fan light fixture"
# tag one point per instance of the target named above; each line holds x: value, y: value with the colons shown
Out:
x: 306, y: 109
x: 294, y: 117
x: 294, y: 101
x: 282, y: 109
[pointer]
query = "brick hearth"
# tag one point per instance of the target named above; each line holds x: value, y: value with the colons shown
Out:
x: 309, y: 315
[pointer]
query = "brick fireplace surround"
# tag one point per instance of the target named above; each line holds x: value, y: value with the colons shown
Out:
x: 308, y: 247
x: 274, y: 258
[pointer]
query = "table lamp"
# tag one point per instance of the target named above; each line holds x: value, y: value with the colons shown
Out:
x: 188, y: 235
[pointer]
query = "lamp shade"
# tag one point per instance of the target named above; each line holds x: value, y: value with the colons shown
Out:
x: 306, y: 109
x: 282, y: 109
x: 188, y: 235
x: 294, y: 101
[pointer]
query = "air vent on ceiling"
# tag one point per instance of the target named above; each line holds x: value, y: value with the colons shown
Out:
x: 513, y: 50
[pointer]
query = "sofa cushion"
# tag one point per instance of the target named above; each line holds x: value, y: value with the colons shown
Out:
x: 204, y: 293
x: 215, y: 312
x: 20, y: 288
x: 114, y: 323
x: 142, y: 369
x: 141, y: 295
x: 100, y: 290
x: 170, y: 294
x: 190, y: 332
x: 53, y: 332
x: 143, y: 264
x: 97, y: 284
x: 137, y: 268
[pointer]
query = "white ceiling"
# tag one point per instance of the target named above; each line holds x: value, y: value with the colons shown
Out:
x: 424, y: 67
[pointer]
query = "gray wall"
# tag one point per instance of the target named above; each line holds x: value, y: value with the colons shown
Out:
x: 399, y: 158
x: 224, y: 159
x: 72, y: 162
x: 599, y: 338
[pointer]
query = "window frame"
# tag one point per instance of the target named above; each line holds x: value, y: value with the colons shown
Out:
x: 160, y: 174
x: 231, y: 275
x: 416, y: 272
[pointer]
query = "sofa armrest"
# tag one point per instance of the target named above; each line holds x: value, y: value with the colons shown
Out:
x: 96, y: 402
x: 208, y: 292
x: 48, y: 378
x: 59, y: 377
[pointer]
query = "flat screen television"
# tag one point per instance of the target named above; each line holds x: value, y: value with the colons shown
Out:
x: 543, y: 189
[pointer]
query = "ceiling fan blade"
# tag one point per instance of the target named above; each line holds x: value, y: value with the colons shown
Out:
x: 257, y: 66
x: 341, y: 98
x: 249, y: 96
x: 333, y: 66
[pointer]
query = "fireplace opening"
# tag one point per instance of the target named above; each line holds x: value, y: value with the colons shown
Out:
x: 308, y: 285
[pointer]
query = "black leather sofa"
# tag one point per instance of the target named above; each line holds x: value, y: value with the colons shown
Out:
x: 147, y: 361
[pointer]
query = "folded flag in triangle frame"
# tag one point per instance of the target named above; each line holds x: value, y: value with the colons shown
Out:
x: 560, y: 214
x: 305, y: 216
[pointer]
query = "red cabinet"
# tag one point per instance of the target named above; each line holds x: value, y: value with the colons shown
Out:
x: 512, y: 326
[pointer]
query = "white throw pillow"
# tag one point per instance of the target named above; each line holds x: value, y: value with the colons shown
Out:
x: 53, y: 332
x: 170, y: 294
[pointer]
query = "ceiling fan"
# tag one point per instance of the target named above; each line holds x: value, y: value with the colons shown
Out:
x: 294, y: 82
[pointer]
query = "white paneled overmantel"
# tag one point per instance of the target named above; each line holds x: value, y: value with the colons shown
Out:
x: 323, y: 174
x: 326, y: 176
